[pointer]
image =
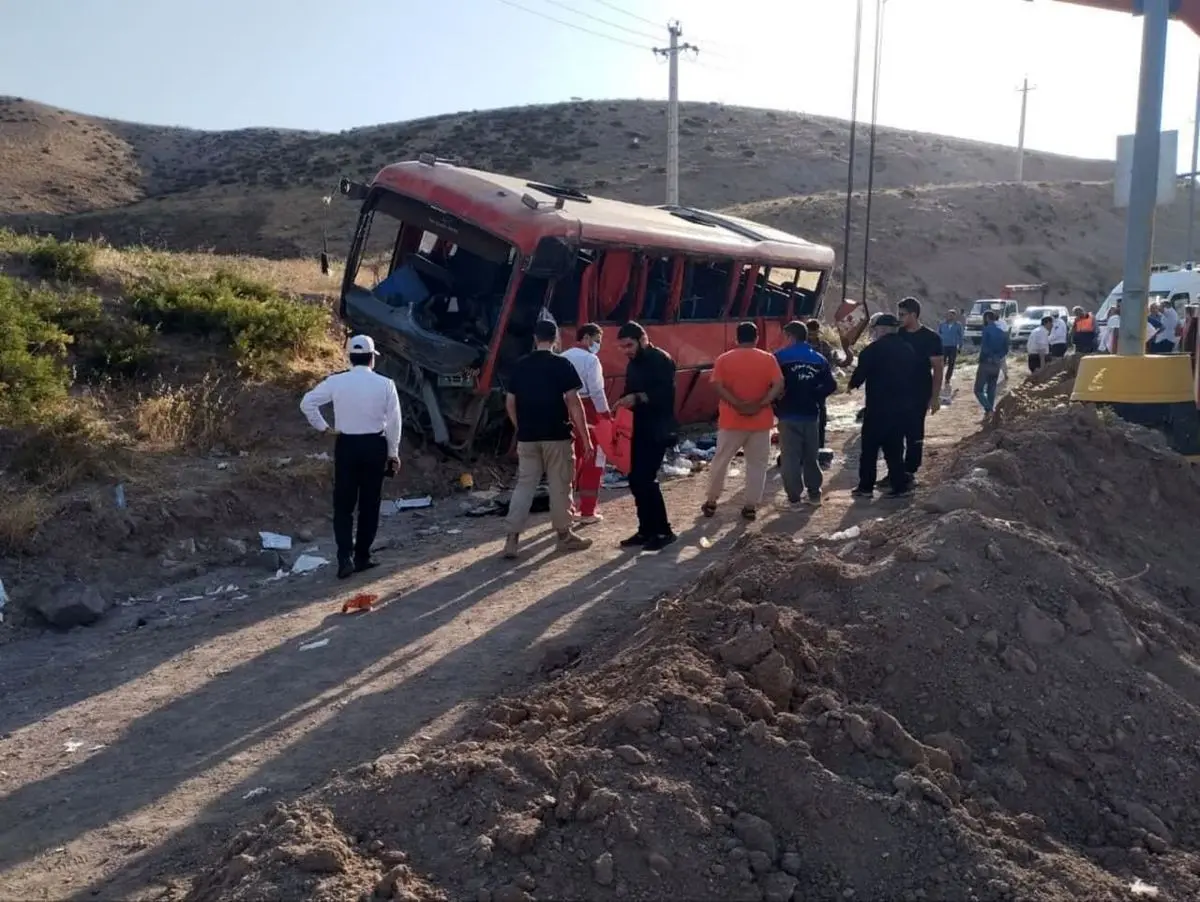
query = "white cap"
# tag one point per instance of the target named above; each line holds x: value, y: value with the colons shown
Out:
x: 361, y: 344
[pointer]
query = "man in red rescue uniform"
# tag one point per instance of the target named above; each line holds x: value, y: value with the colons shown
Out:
x: 589, y: 468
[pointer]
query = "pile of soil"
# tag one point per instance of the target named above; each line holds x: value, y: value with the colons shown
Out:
x: 1048, y: 388
x: 989, y: 696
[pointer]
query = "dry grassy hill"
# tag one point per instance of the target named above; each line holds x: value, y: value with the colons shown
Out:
x: 259, y: 190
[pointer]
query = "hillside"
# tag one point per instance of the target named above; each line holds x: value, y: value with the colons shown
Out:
x: 950, y: 244
x: 260, y: 190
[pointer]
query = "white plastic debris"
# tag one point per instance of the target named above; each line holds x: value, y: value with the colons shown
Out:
x: 72, y: 745
x: 322, y: 455
x: 408, y: 504
x: 119, y: 496
x: 255, y: 793
x: 192, y: 598
x: 309, y: 646
x: 223, y: 465
x: 852, y: 533
x: 979, y: 472
x: 1142, y: 889
x: 454, y: 532
x: 307, y: 563
x: 273, y: 541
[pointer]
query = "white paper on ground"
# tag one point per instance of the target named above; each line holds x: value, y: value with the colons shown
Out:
x: 273, y: 541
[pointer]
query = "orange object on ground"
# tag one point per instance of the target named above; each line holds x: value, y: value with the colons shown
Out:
x: 589, y: 468
x: 360, y: 602
x: 615, y: 438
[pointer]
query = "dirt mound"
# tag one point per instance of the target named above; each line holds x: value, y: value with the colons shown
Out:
x: 1049, y: 387
x: 977, y: 698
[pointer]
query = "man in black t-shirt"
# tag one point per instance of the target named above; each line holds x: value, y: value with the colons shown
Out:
x: 881, y: 367
x: 543, y: 405
x: 931, y: 364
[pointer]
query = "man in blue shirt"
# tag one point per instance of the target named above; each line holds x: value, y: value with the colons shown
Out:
x: 807, y: 382
x: 951, y: 332
x: 993, y: 349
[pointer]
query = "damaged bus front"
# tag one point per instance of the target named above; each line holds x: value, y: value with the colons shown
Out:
x: 433, y: 289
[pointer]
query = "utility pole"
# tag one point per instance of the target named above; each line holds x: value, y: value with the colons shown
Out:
x: 1191, y: 233
x: 1024, y: 90
x: 858, y: 24
x: 674, y: 48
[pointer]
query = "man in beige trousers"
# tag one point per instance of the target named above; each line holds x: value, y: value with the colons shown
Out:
x: 747, y: 381
x: 543, y: 405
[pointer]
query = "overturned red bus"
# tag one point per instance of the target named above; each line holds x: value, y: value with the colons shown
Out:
x: 450, y: 268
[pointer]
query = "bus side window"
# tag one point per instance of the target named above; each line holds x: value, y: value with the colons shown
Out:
x: 620, y: 314
x: 564, y: 304
x: 705, y: 288
x: 658, y: 290
x: 770, y: 296
x: 808, y: 289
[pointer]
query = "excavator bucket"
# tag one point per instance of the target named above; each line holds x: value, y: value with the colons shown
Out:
x: 850, y: 321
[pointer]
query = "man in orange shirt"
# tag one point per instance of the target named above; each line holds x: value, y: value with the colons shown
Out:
x: 747, y: 381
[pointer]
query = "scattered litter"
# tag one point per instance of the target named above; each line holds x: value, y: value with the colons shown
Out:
x: 1140, y: 887
x: 407, y: 504
x: 243, y: 454
x: 706, y: 542
x: 192, y: 598
x: 454, y: 532
x: 223, y: 465
x: 279, y: 574
x: 282, y: 461
x: 72, y: 745
x: 273, y: 541
x: 255, y: 793
x: 119, y: 495
x: 852, y: 533
x: 733, y: 471
x: 307, y: 563
x: 360, y: 602
x: 241, y: 597
x: 679, y: 466
x: 466, y: 482
x: 320, y: 455
x: 319, y: 643
x: 614, y: 480
x: 221, y: 590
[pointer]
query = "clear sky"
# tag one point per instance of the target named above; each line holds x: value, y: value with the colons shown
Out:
x: 950, y: 66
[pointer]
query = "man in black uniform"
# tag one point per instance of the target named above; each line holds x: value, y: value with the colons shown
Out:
x: 885, y: 366
x: 650, y: 393
x: 928, y: 372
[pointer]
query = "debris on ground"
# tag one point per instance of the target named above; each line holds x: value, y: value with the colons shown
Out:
x: 983, y: 696
x: 273, y: 541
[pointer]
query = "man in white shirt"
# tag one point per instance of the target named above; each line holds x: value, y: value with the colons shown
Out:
x: 1039, y: 344
x: 366, y: 413
x: 1112, y: 328
x: 1059, y: 339
x: 589, y: 469
x: 1168, y: 334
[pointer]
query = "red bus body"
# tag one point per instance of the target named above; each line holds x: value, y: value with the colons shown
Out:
x: 687, y: 275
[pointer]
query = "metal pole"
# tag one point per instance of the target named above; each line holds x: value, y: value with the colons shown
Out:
x: 1191, y: 244
x: 858, y: 22
x: 1143, y: 187
x: 1025, y: 89
x: 673, y: 115
x: 879, y: 8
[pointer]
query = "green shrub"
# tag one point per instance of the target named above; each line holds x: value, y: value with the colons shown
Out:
x: 248, y: 316
x: 32, y: 348
x: 63, y: 261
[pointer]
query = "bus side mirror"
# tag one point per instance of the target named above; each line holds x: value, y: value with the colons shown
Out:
x: 324, y: 263
x: 553, y: 258
x: 352, y: 190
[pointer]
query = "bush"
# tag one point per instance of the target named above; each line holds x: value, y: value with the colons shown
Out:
x: 32, y: 375
x: 249, y: 316
x: 63, y: 261
x: 198, y: 416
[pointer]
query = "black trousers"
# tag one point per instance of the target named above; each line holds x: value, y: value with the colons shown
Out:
x: 1058, y: 349
x: 1035, y: 362
x: 1085, y: 342
x: 884, y: 433
x: 822, y: 422
x: 950, y: 355
x: 914, y: 438
x: 647, y: 457
x: 359, y: 462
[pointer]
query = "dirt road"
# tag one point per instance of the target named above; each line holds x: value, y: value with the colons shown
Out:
x: 128, y: 750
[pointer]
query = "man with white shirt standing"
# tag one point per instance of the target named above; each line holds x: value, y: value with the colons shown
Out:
x: 1059, y: 337
x: 589, y: 468
x: 1168, y: 333
x: 1038, y: 347
x: 366, y: 414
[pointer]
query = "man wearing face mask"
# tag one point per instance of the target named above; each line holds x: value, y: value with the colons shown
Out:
x: 589, y: 469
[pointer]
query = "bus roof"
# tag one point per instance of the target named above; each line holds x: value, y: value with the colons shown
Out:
x: 494, y: 203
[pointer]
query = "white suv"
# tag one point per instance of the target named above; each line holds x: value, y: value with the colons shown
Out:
x: 1006, y: 311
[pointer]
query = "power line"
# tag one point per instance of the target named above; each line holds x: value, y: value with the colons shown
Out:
x: 582, y: 28
x: 626, y: 12
x: 610, y: 24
